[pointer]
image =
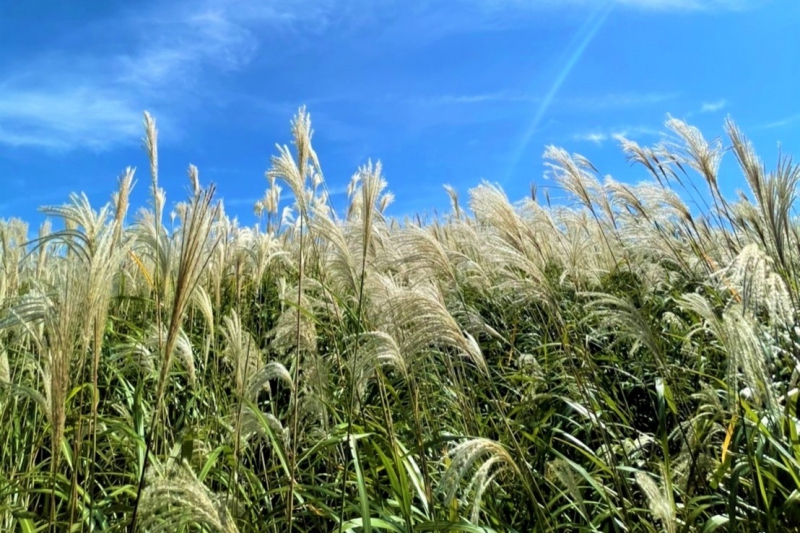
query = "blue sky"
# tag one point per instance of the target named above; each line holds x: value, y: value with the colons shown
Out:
x: 441, y: 91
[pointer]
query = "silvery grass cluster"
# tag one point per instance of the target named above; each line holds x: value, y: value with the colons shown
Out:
x: 622, y: 359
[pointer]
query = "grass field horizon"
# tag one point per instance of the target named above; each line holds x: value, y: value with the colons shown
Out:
x: 622, y: 358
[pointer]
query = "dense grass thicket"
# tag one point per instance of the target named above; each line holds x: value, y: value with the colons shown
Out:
x: 625, y: 360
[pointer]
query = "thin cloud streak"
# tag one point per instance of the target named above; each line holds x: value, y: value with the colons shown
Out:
x: 600, y: 136
x: 575, y: 52
x: 601, y: 102
x: 786, y: 121
x: 691, y: 5
x: 713, y: 107
x: 652, y: 5
x: 593, y: 137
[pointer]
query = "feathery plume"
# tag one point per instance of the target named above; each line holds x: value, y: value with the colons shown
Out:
x: 179, y: 499
x: 241, y: 351
x: 463, y: 457
x: 5, y: 369
x: 660, y: 501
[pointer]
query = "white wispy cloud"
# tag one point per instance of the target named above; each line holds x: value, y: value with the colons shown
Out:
x: 713, y: 107
x: 601, y: 102
x: 90, y: 98
x: 594, y: 137
x: 618, y: 100
x: 661, y: 5
x: 500, y: 96
x: 238, y: 202
x: 469, y: 98
x: 62, y: 118
x: 785, y: 121
x: 432, y: 20
x: 704, y: 5
x: 599, y: 136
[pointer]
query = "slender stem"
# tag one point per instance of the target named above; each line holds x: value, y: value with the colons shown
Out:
x: 295, y: 406
x: 354, y: 357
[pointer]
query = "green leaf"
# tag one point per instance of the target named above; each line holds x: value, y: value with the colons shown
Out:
x: 362, y: 487
x: 452, y: 526
x: 377, y: 522
x: 715, y: 522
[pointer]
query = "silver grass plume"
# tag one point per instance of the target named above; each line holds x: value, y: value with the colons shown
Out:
x: 563, y: 471
x: 491, y: 207
x: 376, y: 349
x: 12, y: 236
x: 99, y: 254
x: 255, y: 423
x: 659, y: 499
x: 287, y: 338
x: 751, y: 273
x: 463, y: 457
x: 751, y: 165
x: 295, y: 171
x: 196, y: 248
x: 263, y: 251
x: 385, y: 201
x: 693, y: 149
x: 285, y: 333
x: 575, y: 174
x: 341, y: 256
x: 202, y: 301
x: 179, y: 499
x: 146, y: 352
x: 453, y: 195
x: 419, y: 250
x: 646, y: 157
x: 5, y: 369
x: 153, y: 252
x: 266, y: 373
x: 775, y: 195
x: 182, y: 350
x: 512, y: 248
x: 56, y: 322
x: 273, y: 199
x: 42, y: 251
x: 151, y: 147
x: 367, y: 184
x: 314, y: 396
x: 739, y: 337
x: 422, y: 320
x: 748, y: 350
x: 140, y: 353
x: 241, y: 351
x: 78, y: 214
x: 194, y: 178
x: 121, y: 201
x: 620, y: 316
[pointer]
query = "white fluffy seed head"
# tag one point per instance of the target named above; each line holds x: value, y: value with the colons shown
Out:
x: 5, y: 370
x: 660, y: 501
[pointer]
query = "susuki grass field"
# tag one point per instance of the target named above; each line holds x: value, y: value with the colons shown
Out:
x: 624, y: 359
